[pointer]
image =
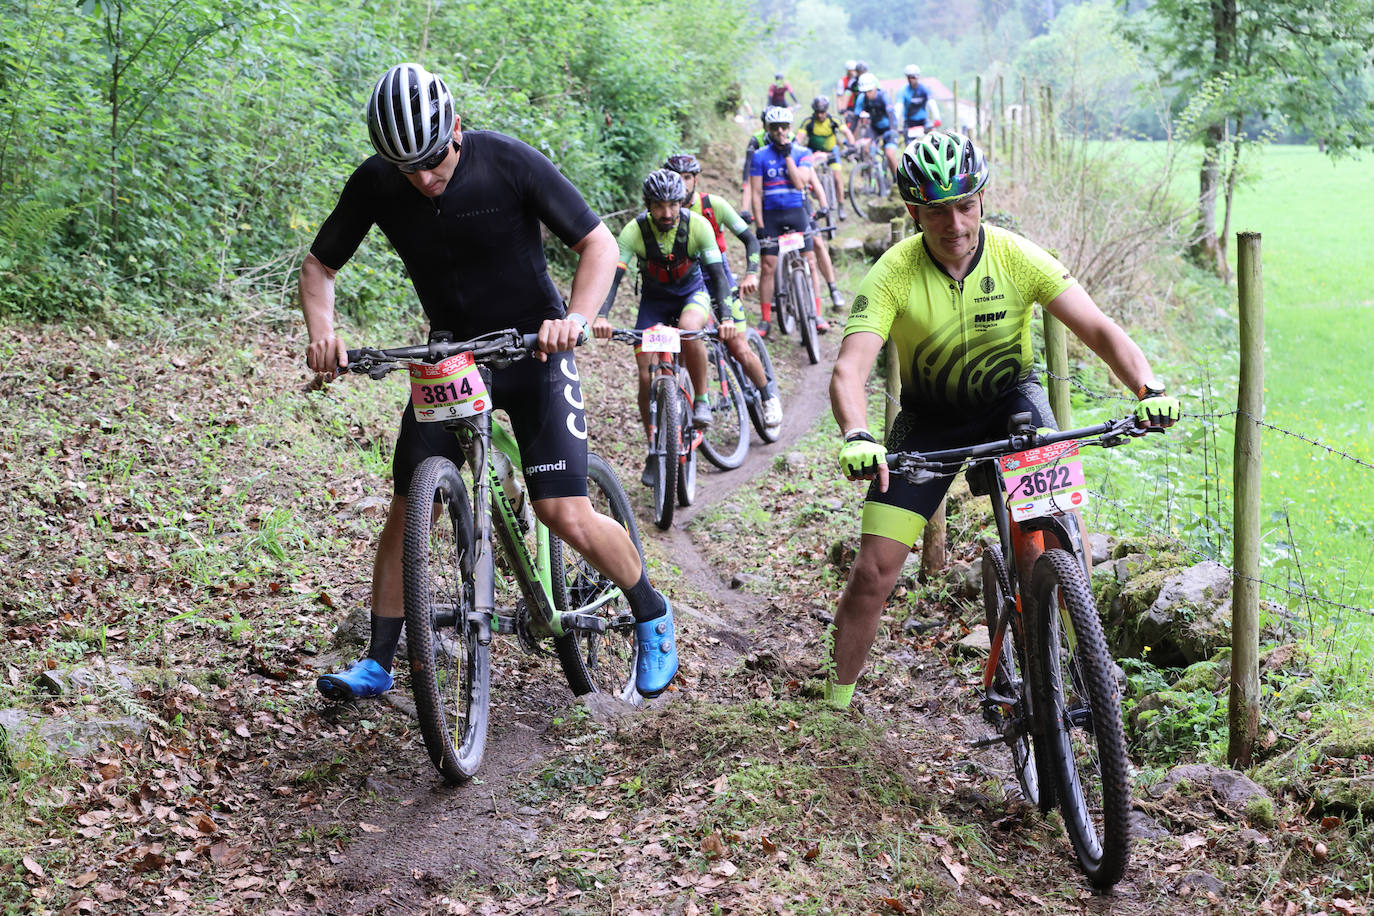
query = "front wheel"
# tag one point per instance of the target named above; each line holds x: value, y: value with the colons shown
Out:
x: 804, y: 299
x: 598, y: 662
x: 449, y: 645
x: 1077, y: 701
x: 666, y: 448
x: 783, y: 309
x: 726, y: 443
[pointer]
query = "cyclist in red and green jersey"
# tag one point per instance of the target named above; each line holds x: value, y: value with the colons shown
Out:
x: 722, y: 216
x: 675, y: 248
x: 957, y: 301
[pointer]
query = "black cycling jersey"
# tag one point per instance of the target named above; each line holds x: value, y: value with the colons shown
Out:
x: 474, y: 253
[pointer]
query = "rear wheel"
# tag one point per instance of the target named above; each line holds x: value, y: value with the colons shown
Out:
x: 804, y: 300
x: 687, y: 456
x: 760, y: 348
x: 666, y: 445
x: 1014, y: 722
x: 862, y: 187
x: 450, y: 653
x: 1076, y: 698
x: 598, y: 662
x: 727, y: 441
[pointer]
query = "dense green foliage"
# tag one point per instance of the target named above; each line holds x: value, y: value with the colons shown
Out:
x: 155, y: 154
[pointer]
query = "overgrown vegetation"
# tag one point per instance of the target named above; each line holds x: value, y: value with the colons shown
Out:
x: 157, y: 157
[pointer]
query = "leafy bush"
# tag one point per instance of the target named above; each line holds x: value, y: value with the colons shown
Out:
x: 212, y: 138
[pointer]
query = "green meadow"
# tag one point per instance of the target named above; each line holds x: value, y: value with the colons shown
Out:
x: 1315, y: 217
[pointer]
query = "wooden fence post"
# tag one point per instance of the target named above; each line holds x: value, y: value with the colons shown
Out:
x: 1049, y: 121
x: 1057, y: 362
x: 1243, y: 710
x: 954, y: 87
x: 897, y: 227
x: 978, y: 111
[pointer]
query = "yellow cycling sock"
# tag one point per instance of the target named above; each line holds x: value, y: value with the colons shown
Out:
x: 839, y: 695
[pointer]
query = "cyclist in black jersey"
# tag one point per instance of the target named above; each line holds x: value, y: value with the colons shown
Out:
x: 957, y: 302
x: 463, y: 209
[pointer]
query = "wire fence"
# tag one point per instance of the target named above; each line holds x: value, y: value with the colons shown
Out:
x: 1156, y: 515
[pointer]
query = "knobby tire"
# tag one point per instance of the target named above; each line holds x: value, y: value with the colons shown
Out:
x: 667, y: 442
x: 803, y: 295
x: 1077, y: 699
x: 450, y: 668
x: 760, y: 348
x: 726, y: 443
x: 598, y: 662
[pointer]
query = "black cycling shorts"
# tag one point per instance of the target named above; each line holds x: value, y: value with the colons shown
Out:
x: 924, y: 431
x: 776, y: 222
x: 544, y: 404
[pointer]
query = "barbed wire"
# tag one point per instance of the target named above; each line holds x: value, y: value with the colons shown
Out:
x: 1122, y: 509
x: 1145, y: 524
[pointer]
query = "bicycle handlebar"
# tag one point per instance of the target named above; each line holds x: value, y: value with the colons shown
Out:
x: 498, y: 347
x: 920, y: 467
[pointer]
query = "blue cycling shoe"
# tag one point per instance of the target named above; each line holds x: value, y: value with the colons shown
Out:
x: 363, y: 678
x: 656, y: 665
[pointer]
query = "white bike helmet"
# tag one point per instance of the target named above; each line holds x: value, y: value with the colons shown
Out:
x: 776, y: 114
x: 912, y: 70
x: 410, y: 115
x: 867, y: 81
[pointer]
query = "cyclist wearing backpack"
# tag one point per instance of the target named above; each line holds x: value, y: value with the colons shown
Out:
x: 821, y: 133
x: 956, y: 299
x: 721, y: 215
x: 882, y: 120
x: 914, y: 102
x: 675, y: 248
x: 463, y: 210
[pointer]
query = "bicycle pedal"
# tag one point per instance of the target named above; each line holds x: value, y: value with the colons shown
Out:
x: 987, y: 742
x: 586, y: 623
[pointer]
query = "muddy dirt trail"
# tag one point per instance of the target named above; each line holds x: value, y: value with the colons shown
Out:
x: 419, y: 836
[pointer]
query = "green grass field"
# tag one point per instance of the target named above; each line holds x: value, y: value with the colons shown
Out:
x: 1314, y: 216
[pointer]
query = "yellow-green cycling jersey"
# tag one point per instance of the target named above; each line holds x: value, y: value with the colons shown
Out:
x: 822, y: 132
x: 961, y: 345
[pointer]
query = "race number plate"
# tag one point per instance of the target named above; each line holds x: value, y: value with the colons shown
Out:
x: 661, y: 339
x: 448, y: 389
x: 791, y: 241
x: 1044, y: 481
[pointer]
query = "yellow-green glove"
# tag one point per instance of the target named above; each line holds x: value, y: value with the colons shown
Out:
x: 860, y: 456
x: 1157, y: 408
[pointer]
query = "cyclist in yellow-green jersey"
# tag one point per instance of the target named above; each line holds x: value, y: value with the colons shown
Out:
x: 821, y: 133
x: 957, y: 301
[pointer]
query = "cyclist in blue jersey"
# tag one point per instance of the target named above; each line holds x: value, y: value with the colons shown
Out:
x: 465, y: 211
x: 882, y: 120
x: 914, y: 102
x: 779, y: 175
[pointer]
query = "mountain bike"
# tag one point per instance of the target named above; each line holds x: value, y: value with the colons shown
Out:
x: 753, y: 396
x: 1064, y: 732
x: 674, y: 441
x: 453, y: 577
x: 868, y: 179
x: 829, y: 181
x: 794, y: 292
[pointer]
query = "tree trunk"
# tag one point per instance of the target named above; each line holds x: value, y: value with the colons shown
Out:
x: 1205, y: 248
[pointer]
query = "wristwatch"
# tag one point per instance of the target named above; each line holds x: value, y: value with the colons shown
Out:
x: 1152, y: 388
x: 580, y: 319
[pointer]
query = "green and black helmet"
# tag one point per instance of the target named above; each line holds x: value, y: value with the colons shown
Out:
x: 940, y: 168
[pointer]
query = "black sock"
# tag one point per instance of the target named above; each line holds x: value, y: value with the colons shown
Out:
x: 386, y: 632
x: 645, y: 602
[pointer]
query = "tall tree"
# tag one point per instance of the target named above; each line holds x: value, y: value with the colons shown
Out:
x: 1306, y: 64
